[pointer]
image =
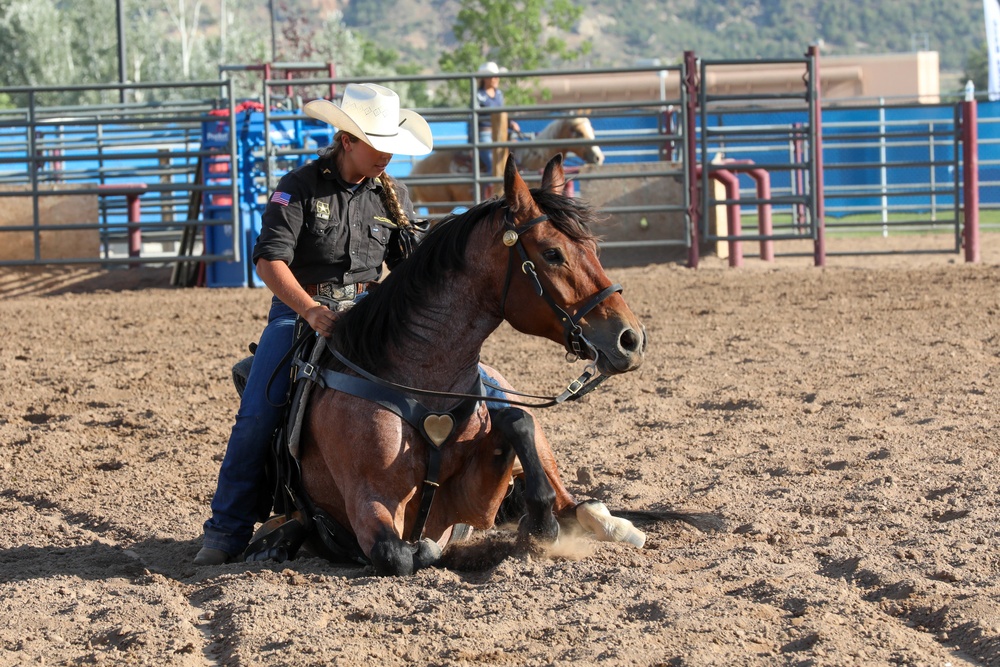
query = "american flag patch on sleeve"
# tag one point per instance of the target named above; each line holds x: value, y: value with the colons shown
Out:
x: 282, y: 198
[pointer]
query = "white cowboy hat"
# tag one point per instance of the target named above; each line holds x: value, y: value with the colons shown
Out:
x: 372, y: 114
x: 489, y: 68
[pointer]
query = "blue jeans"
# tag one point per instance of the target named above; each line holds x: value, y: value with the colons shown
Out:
x: 486, y: 154
x: 240, y: 494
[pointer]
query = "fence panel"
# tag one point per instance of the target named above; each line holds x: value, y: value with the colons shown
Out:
x: 107, y: 184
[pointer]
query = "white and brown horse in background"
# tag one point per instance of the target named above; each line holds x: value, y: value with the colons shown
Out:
x: 532, y: 156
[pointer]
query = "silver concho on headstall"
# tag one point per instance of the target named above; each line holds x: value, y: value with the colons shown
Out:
x: 509, y: 237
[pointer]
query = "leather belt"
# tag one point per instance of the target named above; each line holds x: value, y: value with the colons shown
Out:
x: 335, y: 291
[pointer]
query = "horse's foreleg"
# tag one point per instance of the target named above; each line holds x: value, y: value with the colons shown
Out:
x: 564, y: 503
x: 517, y: 428
x: 592, y: 515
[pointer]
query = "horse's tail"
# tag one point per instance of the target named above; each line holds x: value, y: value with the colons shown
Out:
x: 706, y: 522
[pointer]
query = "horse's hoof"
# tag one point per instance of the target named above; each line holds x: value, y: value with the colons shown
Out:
x: 460, y: 532
x: 546, y: 530
x: 427, y: 553
x: 596, y: 518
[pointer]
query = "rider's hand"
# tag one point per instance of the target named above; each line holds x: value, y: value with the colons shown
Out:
x: 321, y: 319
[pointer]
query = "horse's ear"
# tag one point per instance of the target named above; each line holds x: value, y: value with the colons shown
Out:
x: 515, y: 191
x: 554, y: 177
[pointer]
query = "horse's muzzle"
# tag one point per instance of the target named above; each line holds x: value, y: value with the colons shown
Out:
x: 624, y: 352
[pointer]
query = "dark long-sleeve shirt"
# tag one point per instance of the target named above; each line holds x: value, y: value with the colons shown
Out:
x: 328, y: 230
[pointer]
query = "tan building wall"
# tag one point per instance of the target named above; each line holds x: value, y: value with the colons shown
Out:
x: 904, y: 77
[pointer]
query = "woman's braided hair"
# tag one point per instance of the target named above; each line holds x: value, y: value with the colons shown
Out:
x: 389, y: 198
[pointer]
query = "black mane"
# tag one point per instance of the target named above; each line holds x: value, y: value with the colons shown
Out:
x: 381, y: 320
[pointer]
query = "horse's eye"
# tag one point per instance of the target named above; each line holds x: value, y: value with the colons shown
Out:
x: 552, y: 255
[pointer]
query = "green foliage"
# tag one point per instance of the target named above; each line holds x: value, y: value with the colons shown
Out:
x: 327, y: 39
x: 785, y: 28
x: 977, y: 69
x: 520, y: 35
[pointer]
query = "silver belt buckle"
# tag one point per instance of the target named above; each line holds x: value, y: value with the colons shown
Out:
x: 337, y: 292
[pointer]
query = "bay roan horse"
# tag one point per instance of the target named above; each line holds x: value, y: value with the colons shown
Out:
x: 530, y: 156
x: 528, y: 259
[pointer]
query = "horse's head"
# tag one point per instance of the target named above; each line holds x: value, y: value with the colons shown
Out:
x: 555, y: 285
x: 579, y: 127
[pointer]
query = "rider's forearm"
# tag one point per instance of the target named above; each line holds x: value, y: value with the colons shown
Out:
x: 282, y: 283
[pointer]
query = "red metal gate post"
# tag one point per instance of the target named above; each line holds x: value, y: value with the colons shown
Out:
x: 970, y: 179
x: 134, y: 218
x: 734, y: 227
x: 132, y: 192
x: 764, y: 221
x: 691, y: 155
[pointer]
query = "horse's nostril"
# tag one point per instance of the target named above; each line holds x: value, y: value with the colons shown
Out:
x: 630, y: 341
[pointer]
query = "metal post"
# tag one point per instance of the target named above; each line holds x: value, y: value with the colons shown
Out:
x: 690, y: 92
x: 883, y: 172
x: 734, y: 225
x: 930, y: 145
x: 134, y: 232
x: 474, y: 132
x: 121, y: 49
x: 33, y: 179
x: 819, y: 252
x: 970, y: 177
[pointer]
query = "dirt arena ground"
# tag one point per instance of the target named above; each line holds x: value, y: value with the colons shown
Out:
x: 844, y: 421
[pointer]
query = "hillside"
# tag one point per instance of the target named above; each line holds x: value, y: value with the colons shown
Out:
x: 625, y: 31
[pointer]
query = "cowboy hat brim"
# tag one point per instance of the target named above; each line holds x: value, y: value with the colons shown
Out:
x: 413, y: 135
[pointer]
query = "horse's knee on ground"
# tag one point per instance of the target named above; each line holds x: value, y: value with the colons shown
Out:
x: 392, y: 557
x: 595, y: 517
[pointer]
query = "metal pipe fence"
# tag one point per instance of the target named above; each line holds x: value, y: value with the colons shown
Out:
x: 74, y: 179
x: 885, y: 168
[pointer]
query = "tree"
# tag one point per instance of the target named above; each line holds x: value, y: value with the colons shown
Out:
x: 327, y: 39
x: 187, y: 27
x: 33, y: 49
x: 977, y: 68
x: 518, y: 34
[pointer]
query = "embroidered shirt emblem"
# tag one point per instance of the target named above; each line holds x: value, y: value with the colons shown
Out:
x: 282, y: 198
x: 322, y: 210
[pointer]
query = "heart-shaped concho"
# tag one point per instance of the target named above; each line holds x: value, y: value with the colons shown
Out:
x: 438, y: 428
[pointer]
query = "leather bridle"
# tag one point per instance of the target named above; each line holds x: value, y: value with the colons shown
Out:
x: 575, y: 341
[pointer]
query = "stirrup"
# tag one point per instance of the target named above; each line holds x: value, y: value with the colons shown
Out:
x: 278, y: 539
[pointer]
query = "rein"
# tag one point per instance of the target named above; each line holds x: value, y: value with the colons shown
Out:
x: 575, y: 341
x: 577, y: 388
